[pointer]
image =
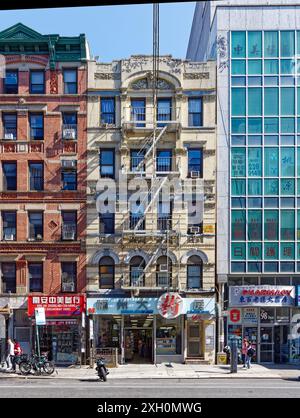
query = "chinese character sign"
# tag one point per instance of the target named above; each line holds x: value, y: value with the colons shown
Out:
x: 170, y: 305
x: 61, y: 305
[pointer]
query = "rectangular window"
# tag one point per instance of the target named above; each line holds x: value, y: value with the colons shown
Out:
x: 9, y: 175
x: 238, y: 44
x: 9, y: 121
x: 255, y: 101
x: 35, y: 274
x: 287, y: 102
x: 287, y: 43
x: 70, y: 81
x: 137, y: 160
x: 271, y: 44
x: 108, y: 110
x: 69, y: 225
x: 238, y: 225
x: 69, y: 179
x: 271, y: 220
x: 195, y: 162
x: 37, y: 82
x: 107, y: 223
x: 195, y: 111
x: 9, y: 223
x: 254, y: 225
x: 271, y: 162
x: 287, y: 218
x: 287, y: 162
x: 36, y: 122
x: 36, y: 227
x: 36, y: 176
x: 164, y: 160
x: 238, y: 102
x: 11, y: 82
x: 8, y: 271
x: 238, y: 162
x: 107, y: 163
x: 271, y: 105
x: 254, y: 162
x: 138, y: 112
x: 164, y: 111
x: 68, y: 276
x: 69, y: 127
x: 254, y: 44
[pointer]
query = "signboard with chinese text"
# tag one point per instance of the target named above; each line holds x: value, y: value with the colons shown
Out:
x: 170, y: 305
x: 61, y: 305
x: 261, y: 296
x: 234, y: 316
x: 250, y: 315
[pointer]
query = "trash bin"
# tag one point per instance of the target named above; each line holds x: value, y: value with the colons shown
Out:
x: 221, y: 358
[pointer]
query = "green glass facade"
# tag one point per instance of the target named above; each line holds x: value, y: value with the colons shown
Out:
x: 265, y: 151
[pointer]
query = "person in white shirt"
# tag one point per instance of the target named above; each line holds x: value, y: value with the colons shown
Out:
x: 10, y: 354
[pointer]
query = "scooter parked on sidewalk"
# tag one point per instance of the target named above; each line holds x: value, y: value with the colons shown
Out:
x: 102, y: 370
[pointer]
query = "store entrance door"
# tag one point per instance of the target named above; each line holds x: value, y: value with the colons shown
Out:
x: 138, y: 339
x: 194, y: 340
x: 281, y: 350
x: 266, y: 344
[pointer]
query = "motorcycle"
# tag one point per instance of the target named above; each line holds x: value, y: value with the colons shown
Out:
x: 101, y: 369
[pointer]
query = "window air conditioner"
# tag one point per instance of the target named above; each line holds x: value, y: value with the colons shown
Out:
x: 69, y: 163
x: 163, y: 267
x: 8, y: 136
x: 195, y: 174
x: 68, y: 287
x: 69, y: 235
x: 9, y: 237
x: 194, y: 230
x: 69, y: 133
x: 39, y: 237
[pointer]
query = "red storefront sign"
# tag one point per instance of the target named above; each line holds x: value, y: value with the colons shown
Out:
x: 60, y: 305
x: 170, y: 305
x: 235, y: 315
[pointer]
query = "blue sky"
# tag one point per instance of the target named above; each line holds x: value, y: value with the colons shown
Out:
x: 113, y: 32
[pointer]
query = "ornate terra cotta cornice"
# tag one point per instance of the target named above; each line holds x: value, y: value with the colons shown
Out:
x: 40, y: 247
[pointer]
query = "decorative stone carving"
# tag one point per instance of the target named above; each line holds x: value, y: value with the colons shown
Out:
x: 195, y: 76
x: 222, y: 53
x: 147, y: 83
x: 53, y: 82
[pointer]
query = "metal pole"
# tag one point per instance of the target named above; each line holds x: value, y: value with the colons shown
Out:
x: 38, y: 340
x: 233, y: 356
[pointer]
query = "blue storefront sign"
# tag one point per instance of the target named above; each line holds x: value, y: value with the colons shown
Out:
x: 145, y: 306
x: 298, y: 296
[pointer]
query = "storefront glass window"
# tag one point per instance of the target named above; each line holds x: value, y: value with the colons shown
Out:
x: 235, y: 332
x: 107, y: 331
x: 267, y: 315
x: 282, y: 314
x: 168, y: 336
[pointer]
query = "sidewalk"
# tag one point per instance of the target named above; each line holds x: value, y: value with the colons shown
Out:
x: 169, y: 371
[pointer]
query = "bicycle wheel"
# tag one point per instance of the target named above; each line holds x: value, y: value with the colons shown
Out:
x: 48, y: 367
x: 25, y: 367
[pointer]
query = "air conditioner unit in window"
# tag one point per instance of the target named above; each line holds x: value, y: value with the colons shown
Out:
x: 195, y: 174
x: 194, y: 230
x: 69, y: 235
x: 163, y: 267
x: 39, y: 237
x: 8, y: 136
x: 68, y: 163
x: 69, y: 133
x: 68, y: 287
x: 9, y: 237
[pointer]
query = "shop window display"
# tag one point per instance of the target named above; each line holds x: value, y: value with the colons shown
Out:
x: 107, y: 332
x: 168, y: 336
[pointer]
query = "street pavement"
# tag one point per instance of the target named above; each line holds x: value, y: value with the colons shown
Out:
x: 168, y: 371
x: 150, y: 388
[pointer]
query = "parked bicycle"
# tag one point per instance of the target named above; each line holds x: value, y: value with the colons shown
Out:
x: 37, y: 364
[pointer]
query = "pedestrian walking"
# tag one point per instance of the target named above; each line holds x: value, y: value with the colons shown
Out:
x: 245, y: 345
x: 250, y: 354
x: 10, y: 354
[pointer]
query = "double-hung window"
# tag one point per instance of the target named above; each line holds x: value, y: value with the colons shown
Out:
x: 11, y: 82
x: 69, y: 125
x: 8, y: 271
x: 195, y: 112
x: 107, y: 163
x: 36, y: 122
x: 137, y: 160
x: 36, y: 227
x: 68, y: 276
x: 164, y: 160
x: 195, y: 159
x: 37, y: 82
x: 108, y: 110
x: 70, y: 81
x: 9, y: 175
x: 69, y: 225
x: 35, y: 274
x: 164, y: 110
x: 9, y: 121
x: 138, y: 112
x: 107, y: 223
x: 36, y: 176
x: 9, y: 224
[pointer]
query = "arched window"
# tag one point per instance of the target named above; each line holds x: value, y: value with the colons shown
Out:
x: 164, y: 272
x: 194, y: 273
x: 137, y: 276
x: 106, y: 273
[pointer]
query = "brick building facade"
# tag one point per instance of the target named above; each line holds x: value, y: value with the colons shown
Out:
x: 42, y: 184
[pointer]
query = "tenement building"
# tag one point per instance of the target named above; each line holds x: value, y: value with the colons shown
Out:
x: 256, y: 45
x: 151, y: 209
x: 42, y: 189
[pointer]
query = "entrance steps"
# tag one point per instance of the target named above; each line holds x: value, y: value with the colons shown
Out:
x: 192, y: 360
